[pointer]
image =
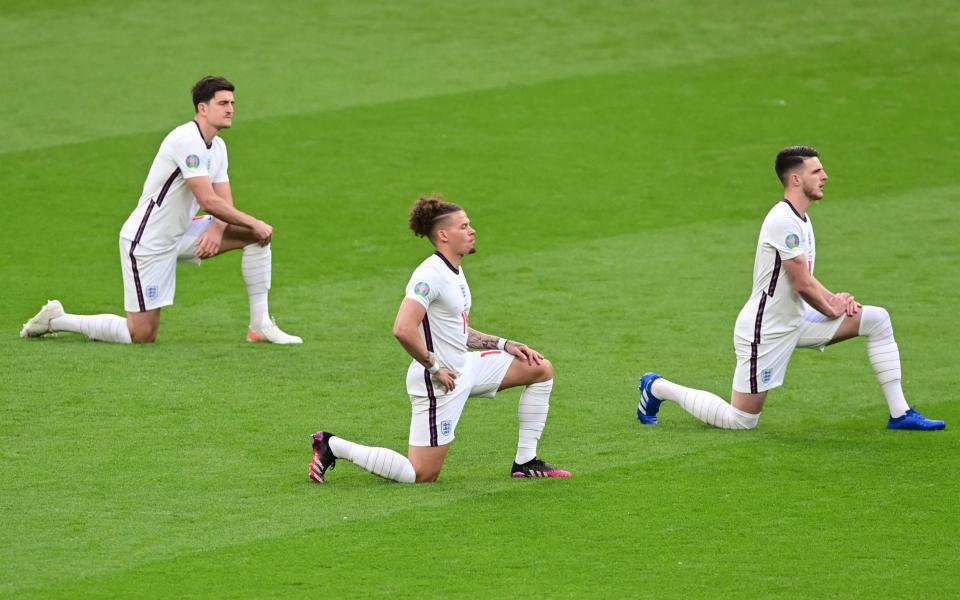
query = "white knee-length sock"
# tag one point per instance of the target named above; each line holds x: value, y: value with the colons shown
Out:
x: 707, y: 407
x: 105, y: 328
x: 532, y: 411
x: 257, y: 266
x: 380, y: 461
x: 884, y: 356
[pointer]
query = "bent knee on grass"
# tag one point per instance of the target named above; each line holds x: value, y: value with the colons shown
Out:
x: 143, y: 326
x: 427, y: 461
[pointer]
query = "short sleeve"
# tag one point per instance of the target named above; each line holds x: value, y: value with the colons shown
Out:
x: 190, y: 154
x: 786, y: 235
x: 220, y: 174
x: 423, y: 287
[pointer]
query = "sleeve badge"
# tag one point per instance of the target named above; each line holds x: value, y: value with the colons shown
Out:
x: 422, y: 289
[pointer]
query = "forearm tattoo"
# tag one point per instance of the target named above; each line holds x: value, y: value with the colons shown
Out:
x: 481, y: 341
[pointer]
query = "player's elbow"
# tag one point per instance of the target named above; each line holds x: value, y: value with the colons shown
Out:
x: 403, y: 333
x: 208, y: 202
x: 805, y: 288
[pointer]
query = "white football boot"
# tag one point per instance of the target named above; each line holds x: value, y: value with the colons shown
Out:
x: 40, y: 324
x: 269, y: 332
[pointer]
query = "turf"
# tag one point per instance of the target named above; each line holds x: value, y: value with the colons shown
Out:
x: 616, y: 160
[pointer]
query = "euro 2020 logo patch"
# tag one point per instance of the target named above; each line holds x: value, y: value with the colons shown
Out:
x: 422, y: 289
x: 792, y: 241
x: 193, y: 161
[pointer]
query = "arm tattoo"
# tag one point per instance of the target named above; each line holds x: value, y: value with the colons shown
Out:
x: 481, y: 341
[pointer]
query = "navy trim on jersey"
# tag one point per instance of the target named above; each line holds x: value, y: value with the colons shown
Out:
x: 143, y: 226
x: 431, y: 394
x: 427, y: 337
x: 166, y: 187
x: 801, y: 217
x: 200, y: 131
x: 774, y: 276
x: 133, y: 259
x: 447, y: 262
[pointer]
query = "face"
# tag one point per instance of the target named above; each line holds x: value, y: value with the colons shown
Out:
x: 219, y: 111
x: 457, y: 232
x: 812, y: 178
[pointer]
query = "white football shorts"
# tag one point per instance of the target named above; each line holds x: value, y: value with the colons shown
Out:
x: 434, y: 418
x: 764, y: 366
x: 150, y: 281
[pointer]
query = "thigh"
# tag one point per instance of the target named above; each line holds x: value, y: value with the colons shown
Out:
x: 523, y: 373
x: 817, y: 330
x: 850, y: 328
x: 236, y: 237
x: 187, y: 247
x: 487, y: 370
x: 150, y: 281
x: 434, y: 419
x: 762, y: 367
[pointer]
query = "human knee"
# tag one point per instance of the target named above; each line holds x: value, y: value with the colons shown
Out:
x: 255, y: 249
x: 873, y: 320
x: 745, y: 420
x: 426, y: 475
x: 426, y: 462
x: 138, y: 337
x: 545, y: 371
x: 143, y: 333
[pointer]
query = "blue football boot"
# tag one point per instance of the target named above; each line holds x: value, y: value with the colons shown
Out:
x: 649, y: 405
x: 913, y: 420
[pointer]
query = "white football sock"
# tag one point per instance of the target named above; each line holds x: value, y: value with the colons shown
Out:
x: 380, y: 461
x: 884, y: 356
x: 106, y: 328
x: 532, y: 411
x: 707, y: 407
x: 257, y: 266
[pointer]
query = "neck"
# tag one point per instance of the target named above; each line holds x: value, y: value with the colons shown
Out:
x: 452, y: 258
x: 207, y: 130
x: 798, y: 200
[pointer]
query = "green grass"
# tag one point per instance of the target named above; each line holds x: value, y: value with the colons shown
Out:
x: 617, y: 163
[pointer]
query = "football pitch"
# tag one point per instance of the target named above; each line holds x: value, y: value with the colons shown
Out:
x: 616, y: 159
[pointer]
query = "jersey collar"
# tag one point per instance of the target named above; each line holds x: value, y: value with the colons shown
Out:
x: 801, y: 217
x: 210, y: 145
x: 447, y: 262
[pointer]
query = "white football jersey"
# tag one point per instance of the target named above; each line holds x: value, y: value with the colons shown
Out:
x: 167, y: 205
x: 442, y: 289
x: 774, y: 308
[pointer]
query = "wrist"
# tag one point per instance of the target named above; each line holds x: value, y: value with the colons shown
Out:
x: 433, y: 365
x: 501, y: 343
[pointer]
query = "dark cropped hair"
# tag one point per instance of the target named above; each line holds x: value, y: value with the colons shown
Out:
x: 427, y: 210
x: 790, y: 158
x: 207, y: 88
